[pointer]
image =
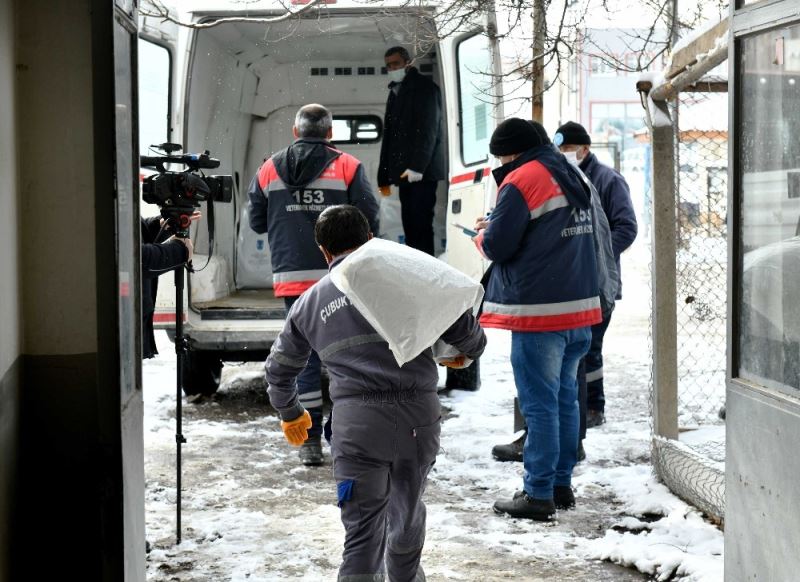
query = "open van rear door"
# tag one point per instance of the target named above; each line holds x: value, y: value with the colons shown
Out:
x: 158, y: 81
x: 473, y: 111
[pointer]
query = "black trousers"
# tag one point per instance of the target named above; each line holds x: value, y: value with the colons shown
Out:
x: 417, y: 202
x: 596, y: 396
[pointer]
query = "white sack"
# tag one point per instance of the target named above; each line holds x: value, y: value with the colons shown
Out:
x: 409, y: 297
x: 391, y: 223
x: 253, y: 258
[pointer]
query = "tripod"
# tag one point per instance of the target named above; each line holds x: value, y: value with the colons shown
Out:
x: 179, y: 221
x: 180, y: 352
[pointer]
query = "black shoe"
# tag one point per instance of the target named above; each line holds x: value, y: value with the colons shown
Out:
x: 512, y: 451
x: 594, y: 418
x: 721, y: 412
x: 523, y: 506
x: 563, y: 497
x: 311, y: 452
x: 581, y: 452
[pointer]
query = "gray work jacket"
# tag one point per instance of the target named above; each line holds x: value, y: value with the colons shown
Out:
x: 359, y: 362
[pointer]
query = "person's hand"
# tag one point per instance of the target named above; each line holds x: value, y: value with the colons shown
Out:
x: 296, y: 431
x: 411, y: 176
x: 481, y: 222
x: 456, y: 362
x: 187, y: 242
x: 385, y: 190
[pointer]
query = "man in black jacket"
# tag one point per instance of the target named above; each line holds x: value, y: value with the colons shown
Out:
x: 411, y: 151
x: 160, y: 254
x: 573, y: 139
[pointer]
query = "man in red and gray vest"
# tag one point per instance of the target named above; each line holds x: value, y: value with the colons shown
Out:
x: 286, y: 197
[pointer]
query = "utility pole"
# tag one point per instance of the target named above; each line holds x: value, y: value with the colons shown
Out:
x: 539, y: 32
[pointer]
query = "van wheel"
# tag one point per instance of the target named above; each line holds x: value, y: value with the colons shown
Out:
x: 201, y: 373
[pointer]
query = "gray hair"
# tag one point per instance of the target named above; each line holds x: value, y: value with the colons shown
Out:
x: 313, y: 120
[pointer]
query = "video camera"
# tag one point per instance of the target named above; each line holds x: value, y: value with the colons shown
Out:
x: 178, y: 194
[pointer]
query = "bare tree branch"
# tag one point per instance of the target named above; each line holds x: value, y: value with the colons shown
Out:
x: 156, y: 9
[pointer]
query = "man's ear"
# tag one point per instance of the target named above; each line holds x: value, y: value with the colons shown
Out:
x: 294, y: 132
x: 329, y: 137
x: 326, y: 254
x: 369, y: 237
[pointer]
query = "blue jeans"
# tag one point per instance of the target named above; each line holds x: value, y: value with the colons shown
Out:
x: 545, y: 371
x: 309, y: 386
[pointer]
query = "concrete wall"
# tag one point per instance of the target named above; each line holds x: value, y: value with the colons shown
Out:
x: 58, y: 190
x: 10, y: 336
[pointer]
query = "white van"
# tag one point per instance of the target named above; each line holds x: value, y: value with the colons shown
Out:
x: 234, y: 89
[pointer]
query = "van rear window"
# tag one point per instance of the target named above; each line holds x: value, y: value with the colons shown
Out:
x: 357, y: 129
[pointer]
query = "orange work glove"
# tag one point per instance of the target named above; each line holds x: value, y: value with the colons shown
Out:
x: 296, y: 431
x: 385, y: 190
x: 456, y: 362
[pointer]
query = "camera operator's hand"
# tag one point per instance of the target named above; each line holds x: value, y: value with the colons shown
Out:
x: 187, y: 242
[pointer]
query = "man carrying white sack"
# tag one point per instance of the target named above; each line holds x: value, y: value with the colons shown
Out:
x: 386, y: 417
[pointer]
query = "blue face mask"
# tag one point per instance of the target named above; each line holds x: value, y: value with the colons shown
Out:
x: 397, y: 75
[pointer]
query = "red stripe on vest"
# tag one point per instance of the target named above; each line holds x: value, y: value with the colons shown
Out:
x: 542, y: 322
x: 267, y: 174
x: 292, y: 288
x: 342, y: 168
x: 535, y: 183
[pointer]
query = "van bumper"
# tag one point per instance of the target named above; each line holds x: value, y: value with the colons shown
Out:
x: 233, y: 340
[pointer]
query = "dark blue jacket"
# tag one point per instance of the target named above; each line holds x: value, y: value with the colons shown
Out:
x: 615, y: 196
x: 540, y: 237
x: 157, y: 259
x: 289, y: 192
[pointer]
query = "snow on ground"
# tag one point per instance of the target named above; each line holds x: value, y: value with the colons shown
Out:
x: 252, y: 512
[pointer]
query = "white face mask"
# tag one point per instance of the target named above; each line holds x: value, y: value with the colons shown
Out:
x: 572, y: 158
x: 397, y: 75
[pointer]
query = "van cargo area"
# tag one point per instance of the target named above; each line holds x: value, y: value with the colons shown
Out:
x: 246, y: 83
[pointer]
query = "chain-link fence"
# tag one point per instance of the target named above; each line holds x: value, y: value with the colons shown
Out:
x: 693, y: 465
x: 700, y: 124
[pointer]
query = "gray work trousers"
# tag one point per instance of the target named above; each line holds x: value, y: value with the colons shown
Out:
x: 383, y: 448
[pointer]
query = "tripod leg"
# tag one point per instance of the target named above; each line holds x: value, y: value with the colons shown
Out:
x: 180, y: 352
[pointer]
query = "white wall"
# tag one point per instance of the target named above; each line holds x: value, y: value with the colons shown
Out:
x: 9, y: 214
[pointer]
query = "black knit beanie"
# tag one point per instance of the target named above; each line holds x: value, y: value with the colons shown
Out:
x: 571, y: 133
x: 516, y: 135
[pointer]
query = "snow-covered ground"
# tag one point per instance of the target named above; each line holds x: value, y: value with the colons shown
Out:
x: 252, y: 512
